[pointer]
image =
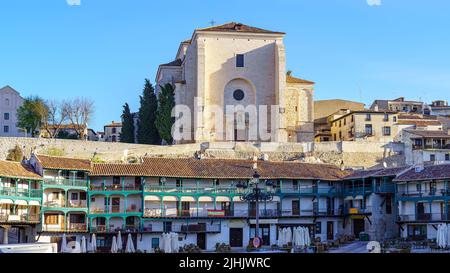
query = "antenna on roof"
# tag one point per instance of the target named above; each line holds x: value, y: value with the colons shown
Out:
x: 212, y: 22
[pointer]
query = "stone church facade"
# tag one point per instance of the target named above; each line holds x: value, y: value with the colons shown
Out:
x: 235, y: 64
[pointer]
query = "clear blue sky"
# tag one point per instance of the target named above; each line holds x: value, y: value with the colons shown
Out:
x: 104, y: 49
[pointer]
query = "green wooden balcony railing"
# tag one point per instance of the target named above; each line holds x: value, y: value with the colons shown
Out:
x: 192, y: 190
x: 25, y: 193
x: 65, y: 182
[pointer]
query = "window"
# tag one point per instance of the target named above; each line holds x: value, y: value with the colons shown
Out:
x: 116, y: 180
x: 369, y: 129
x: 179, y: 183
x: 447, y: 157
x: 7, y: 102
x: 6, y: 129
x: 432, y: 157
x: 264, y: 233
x: 239, y: 60
x: 167, y: 226
x: 74, y: 196
x: 388, y: 205
x: 318, y: 227
x: 353, y: 118
x: 386, y: 117
x: 340, y: 135
x: 114, y: 130
x: 386, y: 131
x: 340, y: 123
x: 394, y: 118
x: 345, y: 121
x: 368, y: 117
x: 295, y: 207
x: 238, y: 95
x: 6, y: 116
x: 155, y: 243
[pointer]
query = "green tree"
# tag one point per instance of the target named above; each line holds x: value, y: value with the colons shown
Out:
x: 147, y: 131
x: 164, y: 119
x: 32, y: 114
x: 127, y: 135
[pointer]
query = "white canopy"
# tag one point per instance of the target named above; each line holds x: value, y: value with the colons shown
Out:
x: 6, y: 201
x: 130, y: 245
x: 64, y: 244
x: 83, y: 245
x: 34, y: 203
x: 119, y: 241
x: 114, y: 245
x: 93, y: 243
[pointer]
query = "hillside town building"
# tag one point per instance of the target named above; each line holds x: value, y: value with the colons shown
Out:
x: 10, y: 101
x: 46, y: 197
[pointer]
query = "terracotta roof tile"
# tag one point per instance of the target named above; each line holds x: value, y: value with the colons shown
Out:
x: 290, y: 79
x: 63, y: 163
x: 238, y: 27
x: 429, y: 133
x: 219, y: 168
x: 18, y: 170
x: 358, y: 174
x: 429, y: 172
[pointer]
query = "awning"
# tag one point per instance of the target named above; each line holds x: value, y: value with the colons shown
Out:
x: 187, y: 199
x: 205, y: 199
x: 276, y: 199
x: 6, y: 201
x: 170, y: 198
x: 151, y: 198
x: 34, y: 203
x: 223, y: 199
x: 21, y: 202
x: 359, y: 197
x: 348, y: 198
x: 237, y: 199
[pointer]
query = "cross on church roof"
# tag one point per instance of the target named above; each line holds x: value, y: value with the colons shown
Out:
x: 212, y: 22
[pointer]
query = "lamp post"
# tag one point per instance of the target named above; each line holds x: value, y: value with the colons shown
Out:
x: 253, y: 192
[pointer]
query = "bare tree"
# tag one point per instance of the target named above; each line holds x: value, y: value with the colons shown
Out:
x: 57, y: 115
x: 80, y: 112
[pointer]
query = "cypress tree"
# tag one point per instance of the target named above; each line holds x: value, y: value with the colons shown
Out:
x: 164, y: 119
x: 147, y: 131
x: 127, y: 135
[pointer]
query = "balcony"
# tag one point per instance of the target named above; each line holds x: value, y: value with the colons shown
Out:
x: 435, y: 146
x: 65, y: 182
x: 114, y: 229
x: 19, y: 218
x: 198, y: 228
x: 193, y: 190
x: 61, y: 204
x: 72, y: 227
x: 357, y: 191
x: 13, y: 192
x: 424, y: 217
x: 115, y: 209
x: 309, y: 190
x: 115, y: 188
x: 385, y: 188
x: 422, y: 193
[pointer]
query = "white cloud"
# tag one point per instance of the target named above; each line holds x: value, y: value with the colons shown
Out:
x: 374, y: 2
x: 73, y: 2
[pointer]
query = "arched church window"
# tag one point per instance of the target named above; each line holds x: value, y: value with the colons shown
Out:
x: 238, y: 95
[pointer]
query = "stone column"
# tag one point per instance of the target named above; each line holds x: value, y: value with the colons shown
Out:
x: 5, y: 234
x: 201, y: 90
x: 280, y: 90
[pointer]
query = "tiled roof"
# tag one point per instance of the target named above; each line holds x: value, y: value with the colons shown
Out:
x: 219, y: 168
x: 358, y: 174
x: 17, y: 170
x: 419, y: 122
x: 177, y: 62
x: 238, y: 27
x: 429, y: 133
x: 64, y: 163
x: 114, y: 124
x: 437, y: 172
x: 290, y: 79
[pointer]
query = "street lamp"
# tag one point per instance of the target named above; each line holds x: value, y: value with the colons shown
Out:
x: 253, y: 192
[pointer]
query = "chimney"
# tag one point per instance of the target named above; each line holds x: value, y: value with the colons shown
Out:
x: 376, y: 108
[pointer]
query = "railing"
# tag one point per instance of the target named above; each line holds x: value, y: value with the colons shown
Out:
x: 385, y: 188
x: 115, y: 187
x: 73, y: 227
x: 113, y: 228
x: 431, y: 147
x: 309, y: 190
x: 10, y: 191
x: 62, y: 204
x: 245, y: 213
x: 197, y: 228
x: 65, y: 182
x: 21, y: 218
x: 423, y: 217
x: 114, y: 209
x: 204, y: 190
x: 357, y: 190
x: 423, y: 193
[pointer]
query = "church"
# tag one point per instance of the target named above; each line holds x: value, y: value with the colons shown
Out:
x: 239, y: 66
